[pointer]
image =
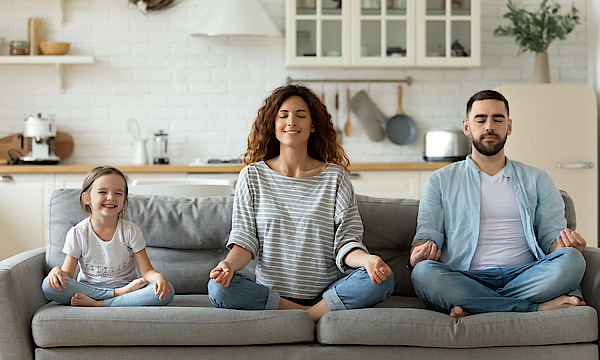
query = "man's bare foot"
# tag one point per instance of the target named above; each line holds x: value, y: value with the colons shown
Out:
x: 457, y: 312
x: 84, y: 300
x: 131, y: 287
x: 560, y: 303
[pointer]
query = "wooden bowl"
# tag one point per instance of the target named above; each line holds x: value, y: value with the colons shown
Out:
x: 54, y: 48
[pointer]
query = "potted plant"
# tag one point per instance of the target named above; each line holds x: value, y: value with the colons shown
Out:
x: 534, y: 31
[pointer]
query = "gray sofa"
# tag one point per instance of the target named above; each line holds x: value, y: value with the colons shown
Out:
x: 186, y: 238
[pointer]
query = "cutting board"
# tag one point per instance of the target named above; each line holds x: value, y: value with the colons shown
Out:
x: 63, y: 146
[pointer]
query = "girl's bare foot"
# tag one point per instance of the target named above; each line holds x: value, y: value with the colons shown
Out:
x: 132, y: 286
x: 457, y: 312
x: 560, y: 303
x: 84, y: 300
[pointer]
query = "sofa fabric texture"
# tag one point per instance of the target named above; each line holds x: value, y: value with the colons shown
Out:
x: 186, y: 238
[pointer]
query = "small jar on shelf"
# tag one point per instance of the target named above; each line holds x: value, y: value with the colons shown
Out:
x: 18, y: 48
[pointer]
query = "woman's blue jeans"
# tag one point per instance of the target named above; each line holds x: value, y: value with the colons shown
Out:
x: 520, y: 288
x: 354, y: 291
x: 141, y: 297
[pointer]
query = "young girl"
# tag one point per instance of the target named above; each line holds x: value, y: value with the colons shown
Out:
x: 105, y: 245
x: 295, y: 210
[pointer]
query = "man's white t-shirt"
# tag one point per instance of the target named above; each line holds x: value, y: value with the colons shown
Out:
x: 502, y: 241
x: 108, y: 264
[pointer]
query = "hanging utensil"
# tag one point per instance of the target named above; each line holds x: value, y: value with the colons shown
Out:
x: 348, y: 124
x: 400, y: 128
x: 338, y: 131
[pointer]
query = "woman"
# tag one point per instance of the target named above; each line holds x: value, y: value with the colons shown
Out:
x: 295, y: 210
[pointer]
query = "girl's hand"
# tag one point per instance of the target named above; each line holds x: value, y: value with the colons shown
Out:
x: 161, y: 286
x: 377, y: 269
x: 222, y: 273
x: 56, y: 278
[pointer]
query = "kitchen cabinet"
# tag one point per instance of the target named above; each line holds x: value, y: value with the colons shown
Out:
x: 390, y: 184
x: 23, y: 202
x: 383, y: 33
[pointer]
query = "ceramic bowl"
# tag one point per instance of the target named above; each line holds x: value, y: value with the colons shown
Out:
x: 54, y: 48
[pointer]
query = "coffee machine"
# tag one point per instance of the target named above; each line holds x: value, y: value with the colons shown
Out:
x: 161, y: 156
x: 42, y: 133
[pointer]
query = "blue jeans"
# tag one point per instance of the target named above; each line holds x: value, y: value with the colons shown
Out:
x: 520, y: 288
x: 354, y: 291
x: 141, y: 297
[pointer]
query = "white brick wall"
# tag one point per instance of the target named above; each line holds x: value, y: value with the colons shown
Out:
x: 205, y: 91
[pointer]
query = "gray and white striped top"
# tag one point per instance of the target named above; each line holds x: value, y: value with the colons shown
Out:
x: 299, y: 228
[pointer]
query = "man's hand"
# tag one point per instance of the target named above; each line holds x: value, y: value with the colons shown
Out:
x: 425, y: 251
x: 569, y: 238
x: 222, y: 273
x: 56, y: 278
x: 377, y: 269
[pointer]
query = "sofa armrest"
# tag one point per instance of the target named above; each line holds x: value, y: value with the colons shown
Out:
x: 21, y: 295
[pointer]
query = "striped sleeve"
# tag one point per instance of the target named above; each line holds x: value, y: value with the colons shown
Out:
x: 348, y: 224
x: 243, y: 222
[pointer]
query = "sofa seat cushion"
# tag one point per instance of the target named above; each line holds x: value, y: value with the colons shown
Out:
x: 425, y: 328
x: 188, y: 320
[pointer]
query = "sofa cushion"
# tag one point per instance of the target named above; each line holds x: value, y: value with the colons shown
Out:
x: 425, y: 328
x: 188, y: 320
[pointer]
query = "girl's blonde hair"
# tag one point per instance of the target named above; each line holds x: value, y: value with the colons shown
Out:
x: 94, y: 174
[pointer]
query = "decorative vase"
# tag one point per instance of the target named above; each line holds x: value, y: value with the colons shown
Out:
x: 541, y: 69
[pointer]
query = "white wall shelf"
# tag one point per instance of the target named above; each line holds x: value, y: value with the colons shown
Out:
x: 57, y: 61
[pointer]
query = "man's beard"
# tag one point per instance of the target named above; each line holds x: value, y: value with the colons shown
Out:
x: 491, y: 149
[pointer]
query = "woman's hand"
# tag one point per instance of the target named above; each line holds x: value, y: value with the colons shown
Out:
x: 56, y: 278
x: 161, y: 286
x: 426, y: 251
x: 222, y: 273
x: 377, y: 269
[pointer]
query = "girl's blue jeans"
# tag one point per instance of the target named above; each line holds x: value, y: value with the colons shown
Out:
x: 141, y: 297
x: 520, y: 288
x: 354, y: 291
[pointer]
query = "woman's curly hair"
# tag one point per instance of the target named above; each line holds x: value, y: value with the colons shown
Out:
x: 322, y: 145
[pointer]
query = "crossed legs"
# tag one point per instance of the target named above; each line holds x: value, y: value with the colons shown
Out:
x: 546, y: 284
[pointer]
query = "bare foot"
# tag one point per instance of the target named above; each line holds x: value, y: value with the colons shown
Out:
x: 83, y: 300
x: 560, y: 303
x: 131, y: 287
x: 457, y: 312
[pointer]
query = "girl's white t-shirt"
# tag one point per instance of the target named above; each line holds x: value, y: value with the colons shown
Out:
x: 108, y: 264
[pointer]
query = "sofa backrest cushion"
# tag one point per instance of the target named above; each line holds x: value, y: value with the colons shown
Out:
x: 186, y: 237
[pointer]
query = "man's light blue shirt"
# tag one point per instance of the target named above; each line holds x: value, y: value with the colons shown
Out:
x: 449, y: 210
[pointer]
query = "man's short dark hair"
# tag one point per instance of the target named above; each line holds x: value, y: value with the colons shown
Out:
x: 486, y: 95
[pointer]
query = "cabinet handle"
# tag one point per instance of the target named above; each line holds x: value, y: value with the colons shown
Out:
x: 583, y: 165
x: 354, y: 176
x: 6, y: 178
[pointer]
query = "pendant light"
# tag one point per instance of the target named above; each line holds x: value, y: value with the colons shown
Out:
x: 237, y: 17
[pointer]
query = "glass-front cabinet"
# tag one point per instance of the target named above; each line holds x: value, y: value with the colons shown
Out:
x: 383, y: 32
x: 318, y: 32
x: 448, y: 33
x: 372, y: 33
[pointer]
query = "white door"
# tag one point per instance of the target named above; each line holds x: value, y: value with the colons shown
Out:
x: 557, y: 125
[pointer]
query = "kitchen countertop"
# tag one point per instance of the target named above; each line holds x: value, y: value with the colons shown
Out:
x: 227, y: 169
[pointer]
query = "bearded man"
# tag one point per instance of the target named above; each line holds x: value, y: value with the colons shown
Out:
x: 491, y: 232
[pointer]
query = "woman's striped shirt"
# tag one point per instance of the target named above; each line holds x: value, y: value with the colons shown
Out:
x: 299, y: 228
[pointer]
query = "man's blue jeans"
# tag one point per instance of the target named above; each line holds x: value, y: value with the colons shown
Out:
x: 141, y: 297
x: 355, y: 291
x: 520, y: 288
